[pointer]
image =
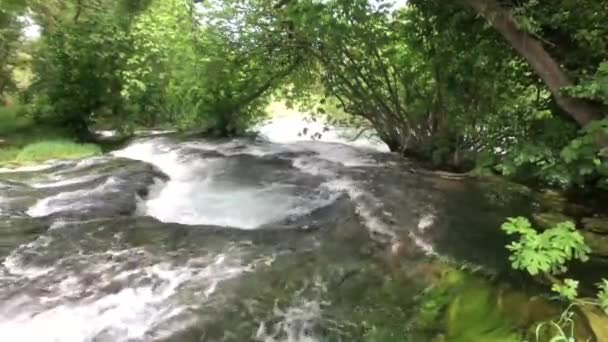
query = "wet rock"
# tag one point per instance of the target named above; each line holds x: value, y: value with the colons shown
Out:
x: 549, y: 220
x: 598, y: 243
x: 462, y: 307
x: 596, y: 224
x: 15, y: 231
x: 552, y: 201
x: 325, y: 216
x: 524, y: 309
x: 197, y: 153
x: 107, y: 196
x: 597, y: 321
x: 324, y: 279
x: 113, y: 287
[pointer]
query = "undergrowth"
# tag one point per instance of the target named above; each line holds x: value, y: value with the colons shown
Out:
x: 24, y: 141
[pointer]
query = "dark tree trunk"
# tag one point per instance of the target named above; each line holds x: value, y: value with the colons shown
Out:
x: 547, y: 68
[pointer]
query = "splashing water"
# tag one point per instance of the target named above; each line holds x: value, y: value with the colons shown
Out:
x: 213, y: 245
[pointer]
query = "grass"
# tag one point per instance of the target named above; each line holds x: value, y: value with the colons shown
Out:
x: 56, y: 149
x: 27, y: 142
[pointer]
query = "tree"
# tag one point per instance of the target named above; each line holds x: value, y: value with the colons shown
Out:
x: 10, y: 40
x: 85, y: 45
x: 545, y: 66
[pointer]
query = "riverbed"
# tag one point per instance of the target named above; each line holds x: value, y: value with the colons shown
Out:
x: 275, y: 238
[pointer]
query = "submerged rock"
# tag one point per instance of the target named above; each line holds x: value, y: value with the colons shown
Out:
x: 552, y: 201
x: 598, y: 243
x: 596, y: 224
x: 549, y: 220
x: 464, y: 307
x: 309, y: 273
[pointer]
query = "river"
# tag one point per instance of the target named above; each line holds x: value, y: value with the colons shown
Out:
x: 277, y: 238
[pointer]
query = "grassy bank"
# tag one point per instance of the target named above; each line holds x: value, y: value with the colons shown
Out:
x: 22, y: 141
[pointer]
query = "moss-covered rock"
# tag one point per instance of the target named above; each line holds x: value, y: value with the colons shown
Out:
x: 460, y: 306
x: 552, y: 201
x: 596, y: 224
x: 563, y: 326
x: 597, y: 321
x: 548, y: 220
x: 598, y: 243
x: 474, y: 316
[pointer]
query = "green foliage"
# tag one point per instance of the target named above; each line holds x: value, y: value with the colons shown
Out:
x: 76, y: 73
x: 12, y: 121
x: 29, y: 142
x: 160, y: 62
x: 546, y: 252
x: 602, y: 295
x: 567, y: 290
x: 10, y: 33
x: 562, y: 157
x: 561, y: 330
x: 595, y: 87
x: 429, y: 78
x: 432, y: 78
x: 584, y: 159
x: 55, y: 149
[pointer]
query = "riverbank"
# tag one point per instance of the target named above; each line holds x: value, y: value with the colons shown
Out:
x: 23, y: 141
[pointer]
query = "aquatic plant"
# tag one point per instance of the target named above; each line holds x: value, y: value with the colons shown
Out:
x: 547, y: 254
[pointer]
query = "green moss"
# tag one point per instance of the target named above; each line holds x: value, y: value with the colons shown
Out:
x: 473, y: 316
x: 460, y: 307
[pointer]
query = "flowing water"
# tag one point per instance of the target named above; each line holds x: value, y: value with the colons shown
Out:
x: 279, y: 238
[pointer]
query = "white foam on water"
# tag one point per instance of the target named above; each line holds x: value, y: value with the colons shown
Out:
x: 107, y: 133
x: 297, y: 324
x: 426, y: 221
x: 87, y: 162
x: 195, y: 195
x: 338, y: 153
x: 159, y: 152
x: 59, y: 182
x: 154, y: 131
x: 334, y: 147
x: 68, y: 306
x: 13, y: 265
x: 33, y: 168
x: 367, y: 206
x: 219, y: 204
x: 291, y: 129
x: 70, y: 200
x: 133, y: 312
x: 317, y: 151
x: 425, y: 246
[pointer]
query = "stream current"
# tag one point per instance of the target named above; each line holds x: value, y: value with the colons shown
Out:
x: 187, y: 239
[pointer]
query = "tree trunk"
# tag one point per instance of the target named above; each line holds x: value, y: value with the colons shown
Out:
x: 549, y: 70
